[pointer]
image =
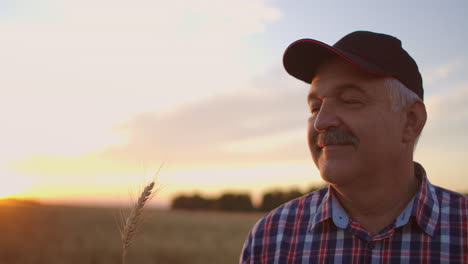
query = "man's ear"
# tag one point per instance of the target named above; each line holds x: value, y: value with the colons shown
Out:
x: 416, y: 117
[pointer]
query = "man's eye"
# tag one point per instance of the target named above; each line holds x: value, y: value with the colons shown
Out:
x: 349, y: 101
x: 314, y: 109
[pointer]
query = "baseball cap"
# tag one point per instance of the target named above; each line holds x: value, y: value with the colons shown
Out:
x: 376, y: 53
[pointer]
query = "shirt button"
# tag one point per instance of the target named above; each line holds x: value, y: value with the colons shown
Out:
x: 370, y: 245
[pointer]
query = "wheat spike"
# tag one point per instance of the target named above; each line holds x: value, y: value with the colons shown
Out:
x: 132, y: 222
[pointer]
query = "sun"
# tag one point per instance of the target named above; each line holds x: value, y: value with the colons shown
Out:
x: 13, y: 185
x: 12, y: 191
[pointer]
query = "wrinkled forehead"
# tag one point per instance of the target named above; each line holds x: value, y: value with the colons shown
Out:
x: 336, y: 76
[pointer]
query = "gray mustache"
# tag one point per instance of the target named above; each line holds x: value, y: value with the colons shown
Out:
x: 335, y: 136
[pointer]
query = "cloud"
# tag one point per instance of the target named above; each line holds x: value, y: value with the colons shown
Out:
x: 447, y: 119
x: 263, y: 122
x: 442, y: 71
x: 270, y: 112
x: 447, y: 110
x: 444, y: 140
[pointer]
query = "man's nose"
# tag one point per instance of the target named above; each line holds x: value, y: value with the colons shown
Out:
x: 326, y: 117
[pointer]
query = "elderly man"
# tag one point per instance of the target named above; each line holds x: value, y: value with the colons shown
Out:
x: 366, y: 114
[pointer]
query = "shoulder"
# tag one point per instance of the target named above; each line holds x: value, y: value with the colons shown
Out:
x: 450, y: 199
x: 299, y: 209
x: 446, y: 194
x: 281, y: 222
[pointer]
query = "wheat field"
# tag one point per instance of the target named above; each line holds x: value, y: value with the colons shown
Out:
x: 42, y: 234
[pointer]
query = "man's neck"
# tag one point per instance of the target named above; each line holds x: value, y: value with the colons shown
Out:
x: 376, y: 204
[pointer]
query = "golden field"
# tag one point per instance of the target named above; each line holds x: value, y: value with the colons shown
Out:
x: 43, y: 234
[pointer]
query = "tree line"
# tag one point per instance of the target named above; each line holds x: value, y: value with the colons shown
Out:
x: 230, y: 201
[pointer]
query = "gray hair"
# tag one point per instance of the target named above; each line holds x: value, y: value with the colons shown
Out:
x: 400, y: 97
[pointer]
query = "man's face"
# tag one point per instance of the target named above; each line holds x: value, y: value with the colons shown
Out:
x: 352, y: 132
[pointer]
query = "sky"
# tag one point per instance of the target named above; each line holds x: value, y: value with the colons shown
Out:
x: 96, y: 95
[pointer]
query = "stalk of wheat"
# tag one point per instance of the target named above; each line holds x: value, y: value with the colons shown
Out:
x: 131, y: 223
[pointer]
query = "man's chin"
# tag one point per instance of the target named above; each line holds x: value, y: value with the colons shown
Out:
x: 335, y: 173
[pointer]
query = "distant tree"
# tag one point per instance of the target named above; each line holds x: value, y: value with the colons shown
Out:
x: 234, y: 202
x: 194, y: 202
x: 293, y: 194
x: 272, y: 199
x: 317, y: 187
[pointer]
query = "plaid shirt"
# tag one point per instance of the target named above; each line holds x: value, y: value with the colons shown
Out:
x: 314, y: 228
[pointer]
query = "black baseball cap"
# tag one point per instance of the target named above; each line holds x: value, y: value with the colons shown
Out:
x: 376, y: 53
